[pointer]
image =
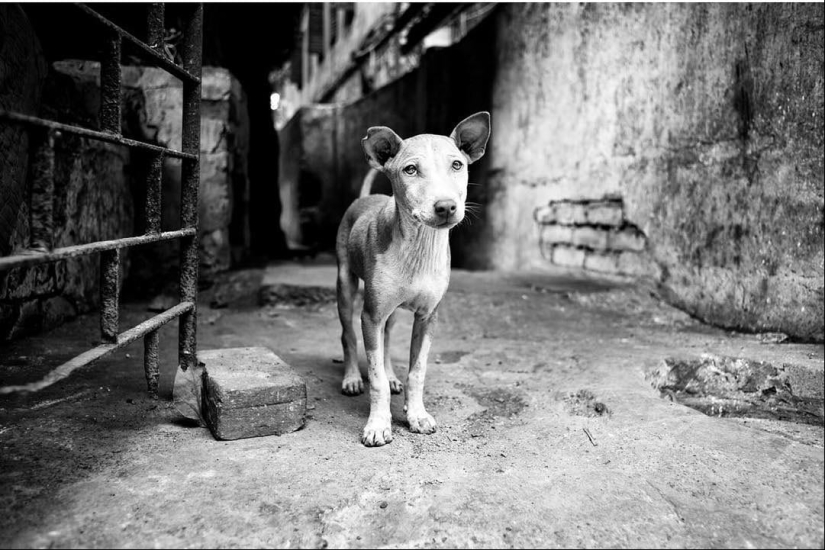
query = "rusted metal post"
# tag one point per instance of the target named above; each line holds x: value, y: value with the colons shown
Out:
x: 151, y: 361
x: 190, y: 181
x: 41, y: 192
x: 109, y: 294
x: 155, y: 14
x: 41, y: 195
x: 110, y: 84
x: 153, y: 193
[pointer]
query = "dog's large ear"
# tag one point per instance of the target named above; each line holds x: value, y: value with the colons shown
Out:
x: 471, y: 135
x: 380, y: 145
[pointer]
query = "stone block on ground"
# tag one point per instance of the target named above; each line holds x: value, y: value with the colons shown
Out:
x: 250, y: 392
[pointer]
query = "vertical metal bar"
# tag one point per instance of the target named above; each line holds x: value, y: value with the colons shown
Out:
x: 339, y: 23
x: 155, y: 15
x: 151, y: 361
x: 154, y: 175
x: 41, y: 192
x: 109, y: 294
x: 110, y: 84
x: 326, y: 32
x: 190, y: 181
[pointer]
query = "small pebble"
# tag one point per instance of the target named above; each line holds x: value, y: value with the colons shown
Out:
x: 383, y: 504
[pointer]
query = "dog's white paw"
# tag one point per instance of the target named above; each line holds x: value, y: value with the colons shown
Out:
x: 421, y: 422
x: 396, y: 386
x: 352, y: 385
x: 376, y: 434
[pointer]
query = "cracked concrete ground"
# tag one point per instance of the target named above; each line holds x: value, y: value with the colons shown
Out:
x: 549, y: 434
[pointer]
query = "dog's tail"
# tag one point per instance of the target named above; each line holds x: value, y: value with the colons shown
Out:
x: 369, y: 179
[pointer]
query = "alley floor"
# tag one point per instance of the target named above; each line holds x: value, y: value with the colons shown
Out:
x: 550, y: 432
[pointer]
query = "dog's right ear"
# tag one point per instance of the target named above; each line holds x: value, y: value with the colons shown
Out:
x: 380, y: 145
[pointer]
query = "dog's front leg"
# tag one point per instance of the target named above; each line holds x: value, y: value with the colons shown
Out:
x: 418, y: 418
x: 378, y: 430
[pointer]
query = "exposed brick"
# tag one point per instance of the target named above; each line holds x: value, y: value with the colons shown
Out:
x: 590, y: 237
x: 545, y: 214
x: 628, y: 238
x: 602, y: 262
x: 571, y: 213
x: 250, y: 392
x: 556, y: 234
x: 605, y: 213
x: 568, y: 256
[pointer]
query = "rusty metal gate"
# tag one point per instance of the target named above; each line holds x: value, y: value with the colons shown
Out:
x: 114, y: 39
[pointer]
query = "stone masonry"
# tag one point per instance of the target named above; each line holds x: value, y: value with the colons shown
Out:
x: 91, y: 199
x: 157, y: 100
x: 593, y: 235
x: 99, y: 187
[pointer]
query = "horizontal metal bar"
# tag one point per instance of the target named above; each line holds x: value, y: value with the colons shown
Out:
x: 96, y: 353
x: 93, y: 134
x: 35, y: 258
x: 151, y: 55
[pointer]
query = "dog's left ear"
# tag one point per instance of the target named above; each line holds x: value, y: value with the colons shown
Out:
x: 471, y: 135
x: 380, y: 145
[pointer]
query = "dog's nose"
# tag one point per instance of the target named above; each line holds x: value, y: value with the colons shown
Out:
x: 445, y: 207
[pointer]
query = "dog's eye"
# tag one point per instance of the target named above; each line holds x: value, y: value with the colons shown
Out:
x: 457, y: 165
x: 410, y: 170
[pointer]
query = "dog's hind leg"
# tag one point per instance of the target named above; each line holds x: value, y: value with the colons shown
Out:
x: 395, y: 384
x: 347, y: 287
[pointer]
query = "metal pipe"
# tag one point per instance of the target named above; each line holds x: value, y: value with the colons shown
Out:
x: 93, y: 134
x: 110, y: 79
x: 35, y: 258
x: 155, y: 14
x: 190, y: 181
x: 102, y: 350
x: 151, y: 361
x: 41, y: 192
x: 144, y: 50
x: 109, y: 294
x: 154, y: 176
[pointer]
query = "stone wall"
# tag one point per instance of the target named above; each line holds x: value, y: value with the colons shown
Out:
x: 23, y: 71
x: 91, y: 195
x: 99, y: 188
x: 155, y: 107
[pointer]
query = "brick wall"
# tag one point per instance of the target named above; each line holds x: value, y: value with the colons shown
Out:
x: 593, y: 235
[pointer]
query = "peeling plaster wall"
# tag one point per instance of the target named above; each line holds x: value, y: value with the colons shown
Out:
x: 705, y: 119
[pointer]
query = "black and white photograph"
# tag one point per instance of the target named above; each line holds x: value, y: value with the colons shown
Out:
x: 412, y: 275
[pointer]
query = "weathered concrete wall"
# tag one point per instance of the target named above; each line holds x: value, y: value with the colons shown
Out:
x: 706, y: 119
x: 91, y: 202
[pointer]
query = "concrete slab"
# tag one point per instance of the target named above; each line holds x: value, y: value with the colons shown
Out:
x: 250, y: 392
x: 521, y: 458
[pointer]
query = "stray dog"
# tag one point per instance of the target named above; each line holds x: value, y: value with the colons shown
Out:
x: 399, y: 247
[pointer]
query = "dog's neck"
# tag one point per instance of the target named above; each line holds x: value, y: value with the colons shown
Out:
x: 424, y: 249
